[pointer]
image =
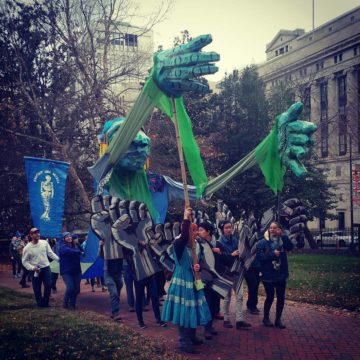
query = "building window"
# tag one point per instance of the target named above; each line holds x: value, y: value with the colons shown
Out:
x: 341, y: 219
x: 342, y: 90
x: 323, y: 101
x: 324, y: 139
x: 286, y: 48
x: 276, y: 53
x: 310, y: 38
x: 281, y: 51
x: 342, y: 135
x: 330, y: 28
x: 338, y: 58
x: 319, y: 65
x: 307, y: 100
x: 356, y: 50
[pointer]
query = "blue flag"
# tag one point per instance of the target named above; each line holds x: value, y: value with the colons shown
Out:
x: 46, y: 184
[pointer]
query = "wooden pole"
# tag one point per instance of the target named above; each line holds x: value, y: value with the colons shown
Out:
x: 186, y: 192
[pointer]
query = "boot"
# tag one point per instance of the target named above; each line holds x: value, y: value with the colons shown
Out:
x: 279, y: 324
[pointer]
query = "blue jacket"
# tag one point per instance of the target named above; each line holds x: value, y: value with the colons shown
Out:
x: 273, y: 268
x: 69, y: 259
x: 227, y: 246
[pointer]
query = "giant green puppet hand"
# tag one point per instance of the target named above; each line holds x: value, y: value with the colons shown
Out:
x: 294, y: 138
x: 175, y: 69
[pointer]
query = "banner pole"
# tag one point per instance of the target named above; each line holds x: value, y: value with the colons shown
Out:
x: 198, y: 283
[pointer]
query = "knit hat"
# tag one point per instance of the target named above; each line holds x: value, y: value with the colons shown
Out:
x: 65, y: 234
x: 207, y: 226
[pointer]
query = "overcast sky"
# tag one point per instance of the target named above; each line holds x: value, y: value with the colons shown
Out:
x: 241, y: 28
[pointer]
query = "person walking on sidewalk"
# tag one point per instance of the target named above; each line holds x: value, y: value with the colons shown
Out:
x: 35, y: 259
x: 14, y: 255
x: 70, y: 269
x: 271, y: 252
x: 229, y: 246
x: 185, y: 306
x: 25, y: 271
x: 112, y: 254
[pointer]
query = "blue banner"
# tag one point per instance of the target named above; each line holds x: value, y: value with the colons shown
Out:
x: 46, y: 184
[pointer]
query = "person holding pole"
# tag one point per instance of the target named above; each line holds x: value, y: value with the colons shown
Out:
x: 185, y: 305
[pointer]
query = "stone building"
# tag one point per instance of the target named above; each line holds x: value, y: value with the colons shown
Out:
x: 323, y: 68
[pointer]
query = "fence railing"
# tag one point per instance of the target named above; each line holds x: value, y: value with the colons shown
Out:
x: 336, y: 238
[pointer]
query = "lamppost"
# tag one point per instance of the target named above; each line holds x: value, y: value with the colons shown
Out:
x: 351, y: 198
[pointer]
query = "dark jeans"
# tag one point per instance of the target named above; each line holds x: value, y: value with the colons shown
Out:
x: 150, y: 284
x: 252, y: 280
x: 212, y: 299
x: 114, y: 283
x: 129, y: 283
x: 16, y: 263
x: 72, y: 283
x: 43, y: 278
x: 25, y: 274
x: 270, y: 288
x: 160, y: 283
x: 54, y: 278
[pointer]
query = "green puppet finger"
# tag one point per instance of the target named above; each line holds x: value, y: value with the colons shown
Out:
x: 300, y: 126
x: 298, y: 139
x: 189, y: 72
x: 177, y: 86
x: 297, y: 152
x: 193, y: 58
x: 297, y: 167
x: 291, y: 114
x: 195, y: 44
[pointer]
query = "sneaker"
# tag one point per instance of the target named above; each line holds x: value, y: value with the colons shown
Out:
x: 227, y: 324
x: 131, y: 309
x: 279, y: 324
x: 116, y: 317
x: 25, y: 286
x: 254, y: 311
x: 197, y: 341
x: 267, y: 322
x: 92, y: 289
x: 161, y: 323
x: 213, y: 331
x: 145, y: 309
x: 242, y: 325
x: 142, y: 325
x: 104, y: 289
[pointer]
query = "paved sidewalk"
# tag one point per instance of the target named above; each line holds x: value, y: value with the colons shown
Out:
x: 310, y: 333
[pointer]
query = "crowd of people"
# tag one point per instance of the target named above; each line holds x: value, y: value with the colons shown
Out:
x: 186, y: 305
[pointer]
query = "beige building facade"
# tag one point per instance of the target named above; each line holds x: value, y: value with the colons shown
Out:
x: 323, y: 68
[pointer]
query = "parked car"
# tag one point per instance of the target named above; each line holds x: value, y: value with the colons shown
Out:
x: 335, y: 238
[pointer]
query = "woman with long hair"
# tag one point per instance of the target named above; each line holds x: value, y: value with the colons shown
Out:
x: 271, y: 252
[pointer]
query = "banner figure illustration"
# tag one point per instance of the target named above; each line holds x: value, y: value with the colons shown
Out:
x: 46, y: 185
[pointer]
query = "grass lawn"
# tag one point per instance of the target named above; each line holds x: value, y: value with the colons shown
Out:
x: 28, y: 332
x: 325, y: 279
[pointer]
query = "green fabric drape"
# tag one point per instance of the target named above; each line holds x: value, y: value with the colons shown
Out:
x: 268, y: 158
x: 189, y: 145
x: 132, y: 185
x: 266, y: 155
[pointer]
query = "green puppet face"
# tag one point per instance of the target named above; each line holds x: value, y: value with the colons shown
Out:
x: 138, y: 151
